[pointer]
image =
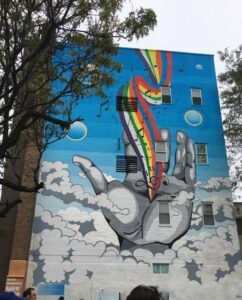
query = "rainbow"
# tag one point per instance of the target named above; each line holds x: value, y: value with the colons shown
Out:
x: 140, y: 126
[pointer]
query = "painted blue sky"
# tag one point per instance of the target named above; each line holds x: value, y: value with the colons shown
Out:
x: 100, y: 137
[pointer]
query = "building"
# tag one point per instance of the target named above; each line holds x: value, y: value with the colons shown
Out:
x: 138, y: 192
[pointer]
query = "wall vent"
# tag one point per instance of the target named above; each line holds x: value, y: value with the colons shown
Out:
x: 126, y: 103
x: 127, y: 164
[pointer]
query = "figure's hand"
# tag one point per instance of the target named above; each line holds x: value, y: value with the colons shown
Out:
x: 141, y: 224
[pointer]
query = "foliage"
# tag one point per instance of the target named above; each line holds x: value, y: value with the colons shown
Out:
x: 231, y: 96
x: 31, y: 32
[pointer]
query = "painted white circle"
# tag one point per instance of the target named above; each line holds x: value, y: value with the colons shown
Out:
x: 199, y: 67
x: 77, y: 131
x: 193, y: 118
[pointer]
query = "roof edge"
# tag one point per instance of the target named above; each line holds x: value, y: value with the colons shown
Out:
x: 182, y: 52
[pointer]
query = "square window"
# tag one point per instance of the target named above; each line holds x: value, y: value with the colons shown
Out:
x: 196, y: 96
x: 208, y: 217
x: 166, y: 94
x: 161, y: 268
x: 161, y: 150
x: 201, y: 153
x: 164, y: 213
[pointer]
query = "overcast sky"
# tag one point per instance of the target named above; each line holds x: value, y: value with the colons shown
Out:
x: 201, y: 26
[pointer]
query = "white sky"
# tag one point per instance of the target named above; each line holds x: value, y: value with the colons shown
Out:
x: 200, y: 26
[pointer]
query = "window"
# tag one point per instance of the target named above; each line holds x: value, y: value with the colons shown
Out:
x: 166, y: 94
x: 127, y: 164
x: 164, y: 213
x: 161, y: 268
x: 202, y: 154
x: 208, y: 218
x: 161, y: 150
x: 196, y: 96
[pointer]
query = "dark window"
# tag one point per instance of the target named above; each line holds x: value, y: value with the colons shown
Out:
x: 161, y: 268
x: 208, y: 218
x: 166, y: 94
x: 164, y: 213
x: 196, y: 96
x: 127, y: 164
x: 201, y: 153
x: 126, y: 103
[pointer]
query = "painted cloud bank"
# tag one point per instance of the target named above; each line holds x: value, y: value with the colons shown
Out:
x: 216, y: 184
x: 77, y: 248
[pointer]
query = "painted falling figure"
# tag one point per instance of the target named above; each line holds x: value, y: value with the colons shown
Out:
x: 146, y: 191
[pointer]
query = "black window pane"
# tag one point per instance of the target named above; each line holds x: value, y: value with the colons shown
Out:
x: 166, y: 99
x: 208, y: 220
x: 207, y: 209
x: 196, y: 100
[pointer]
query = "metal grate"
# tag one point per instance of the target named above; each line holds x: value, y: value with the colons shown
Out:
x: 127, y: 164
x: 126, y: 103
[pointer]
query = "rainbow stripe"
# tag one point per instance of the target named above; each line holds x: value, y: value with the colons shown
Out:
x: 142, y: 131
x: 153, y: 61
x: 140, y: 126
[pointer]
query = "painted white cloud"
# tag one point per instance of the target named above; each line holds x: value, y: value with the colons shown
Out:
x: 47, y: 166
x: 109, y: 177
x: 82, y: 175
x: 208, y: 250
x: 53, y: 248
x: 56, y: 177
x: 225, y: 204
x: 183, y: 197
x: 216, y: 184
x: 53, y: 220
x: 35, y: 242
x: 74, y: 214
x: 32, y: 266
x: 69, y: 221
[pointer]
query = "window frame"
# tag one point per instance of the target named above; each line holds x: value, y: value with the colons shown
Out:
x: 200, y: 92
x: 169, y: 214
x: 208, y: 225
x: 206, y: 153
x: 169, y: 87
x: 166, y: 152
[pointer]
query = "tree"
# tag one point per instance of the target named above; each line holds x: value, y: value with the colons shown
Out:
x: 231, y: 97
x: 69, y: 42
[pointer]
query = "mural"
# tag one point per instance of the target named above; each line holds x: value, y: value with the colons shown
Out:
x: 124, y: 193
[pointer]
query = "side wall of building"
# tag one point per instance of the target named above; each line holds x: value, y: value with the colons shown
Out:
x: 138, y: 192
